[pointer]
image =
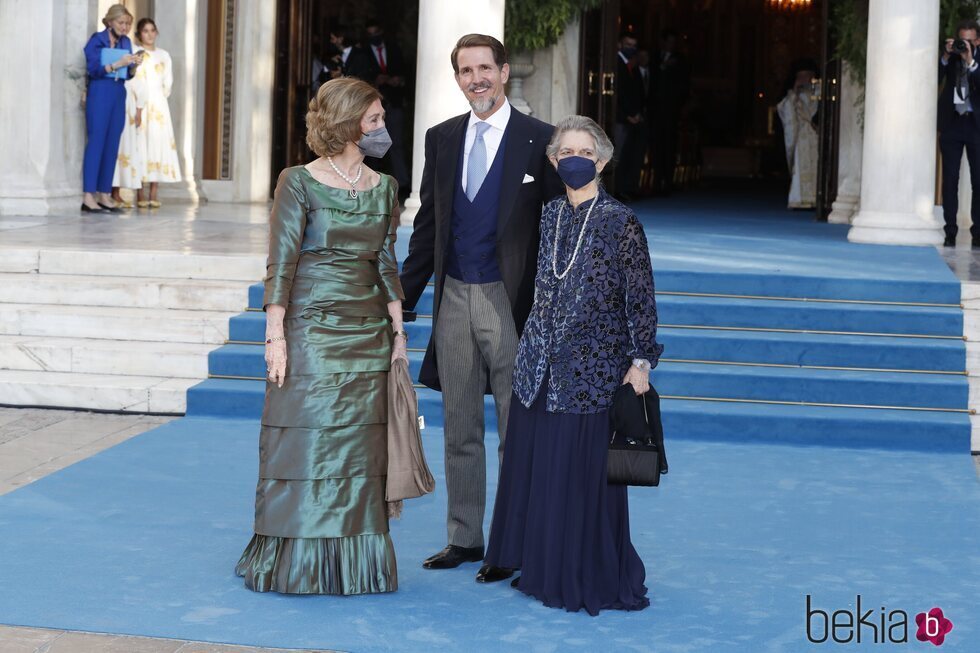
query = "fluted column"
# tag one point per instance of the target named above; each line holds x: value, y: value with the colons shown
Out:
x: 178, y: 22
x: 437, y: 97
x: 42, y: 125
x: 898, y: 161
x: 849, y: 161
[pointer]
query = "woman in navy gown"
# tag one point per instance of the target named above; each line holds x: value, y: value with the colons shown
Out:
x: 592, y: 327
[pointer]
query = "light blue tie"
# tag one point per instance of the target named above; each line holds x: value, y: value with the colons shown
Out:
x: 476, y: 166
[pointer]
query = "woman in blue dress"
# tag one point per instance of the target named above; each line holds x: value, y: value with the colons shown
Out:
x: 592, y: 327
x: 105, y: 108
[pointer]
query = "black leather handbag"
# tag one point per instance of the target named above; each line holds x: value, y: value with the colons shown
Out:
x: 636, y: 448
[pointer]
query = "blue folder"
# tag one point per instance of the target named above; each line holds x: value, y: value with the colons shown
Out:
x: 111, y: 56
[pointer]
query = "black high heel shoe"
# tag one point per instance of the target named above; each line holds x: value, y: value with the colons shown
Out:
x: 88, y: 209
x: 111, y: 209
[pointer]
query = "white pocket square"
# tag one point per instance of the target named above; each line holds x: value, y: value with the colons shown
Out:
x: 527, y: 179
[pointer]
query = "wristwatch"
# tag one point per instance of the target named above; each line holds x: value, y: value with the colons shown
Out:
x: 641, y: 364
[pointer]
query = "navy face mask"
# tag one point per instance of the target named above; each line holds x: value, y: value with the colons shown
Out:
x: 375, y: 143
x: 576, y: 171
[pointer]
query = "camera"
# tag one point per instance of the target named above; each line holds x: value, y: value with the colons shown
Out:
x: 960, y: 46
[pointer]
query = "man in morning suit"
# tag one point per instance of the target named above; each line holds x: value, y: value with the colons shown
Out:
x: 485, y: 180
x: 630, y: 135
x: 388, y: 73
x: 958, y: 115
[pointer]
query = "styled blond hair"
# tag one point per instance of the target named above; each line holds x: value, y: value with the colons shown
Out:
x: 334, y: 117
x: 114, y: 12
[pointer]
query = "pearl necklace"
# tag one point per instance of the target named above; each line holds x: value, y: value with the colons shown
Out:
x: 352, y: 182
x: 578, y: 243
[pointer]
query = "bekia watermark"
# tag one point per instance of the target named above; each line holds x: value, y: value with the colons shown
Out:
x: 876, y: 625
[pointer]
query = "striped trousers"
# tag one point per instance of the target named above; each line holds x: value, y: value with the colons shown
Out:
x: 476, y: 342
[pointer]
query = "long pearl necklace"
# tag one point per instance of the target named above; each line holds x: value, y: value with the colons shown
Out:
x: 578, y: 243
x: 352, y: 182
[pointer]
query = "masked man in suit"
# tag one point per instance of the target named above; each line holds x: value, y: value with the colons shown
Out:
x: 485, y: 180
x: 958, y: 114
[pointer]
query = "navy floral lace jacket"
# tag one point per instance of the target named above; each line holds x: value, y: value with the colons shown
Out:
x: 585, y: 330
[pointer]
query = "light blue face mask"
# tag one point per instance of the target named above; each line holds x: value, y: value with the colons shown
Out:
x: 375, y: 143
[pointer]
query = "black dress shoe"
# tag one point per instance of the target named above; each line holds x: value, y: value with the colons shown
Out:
x: 976, y: 243
x: 453, y: 556
x: 514, y: 583
x: 111, y: 209
x: 88, y: 209
x: 949, y: 242
x: 488, y: 574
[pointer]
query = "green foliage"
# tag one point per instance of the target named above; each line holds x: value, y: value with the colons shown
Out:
x: 952, y: 12
x: 534, y: 24
x: 849, y: 24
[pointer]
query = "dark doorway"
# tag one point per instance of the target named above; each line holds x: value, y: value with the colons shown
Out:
x: 303, y: 33
x: 734, y: 58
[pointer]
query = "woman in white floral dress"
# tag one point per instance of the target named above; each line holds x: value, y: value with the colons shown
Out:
x: 131, y: 160
x: 161, y: 164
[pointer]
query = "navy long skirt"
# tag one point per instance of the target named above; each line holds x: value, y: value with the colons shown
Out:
x: 557, y: 520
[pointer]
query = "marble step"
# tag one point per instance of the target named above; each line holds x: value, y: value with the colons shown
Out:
x: 94, y: 356
x: 135, y: 263
x: 114, y: 323
x: 136, y: 394
x: 135, y: 292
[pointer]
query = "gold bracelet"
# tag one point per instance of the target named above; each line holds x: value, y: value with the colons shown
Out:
x: 403, y: 334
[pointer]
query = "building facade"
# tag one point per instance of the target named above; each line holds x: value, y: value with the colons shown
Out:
x: 225, y: 52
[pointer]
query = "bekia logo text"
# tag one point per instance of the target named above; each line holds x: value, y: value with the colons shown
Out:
x: 878, y: 626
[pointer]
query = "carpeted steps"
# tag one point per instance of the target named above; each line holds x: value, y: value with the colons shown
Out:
x: 854, y: 373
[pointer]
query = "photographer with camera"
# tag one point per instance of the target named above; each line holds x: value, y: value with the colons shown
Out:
x: 959, y: 124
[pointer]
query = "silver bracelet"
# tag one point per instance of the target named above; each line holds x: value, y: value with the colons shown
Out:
x: 641, y: 364
x: 269, y: 341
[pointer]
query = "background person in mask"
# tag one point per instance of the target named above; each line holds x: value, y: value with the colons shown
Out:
x: 593, y: 326
x: 385, y: 67
x: 333, y: 327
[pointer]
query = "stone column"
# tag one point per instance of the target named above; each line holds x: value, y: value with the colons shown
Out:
x: 41, y: 118
x: 849, y: 162
x: 899, y: 162
x: 177, y: 21
x: 437, y: 97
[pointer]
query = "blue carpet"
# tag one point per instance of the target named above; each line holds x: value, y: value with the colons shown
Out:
x: 764, y: 504
x: 740, y: 241
x: 142, y: 539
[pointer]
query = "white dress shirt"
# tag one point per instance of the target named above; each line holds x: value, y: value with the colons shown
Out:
x: 491, y: 137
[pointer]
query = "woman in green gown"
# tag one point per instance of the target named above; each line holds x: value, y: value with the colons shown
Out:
x: 333, y: 327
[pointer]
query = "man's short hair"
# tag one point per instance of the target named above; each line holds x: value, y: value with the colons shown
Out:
x: 968, y: 24
x: 627, y: 35
x: 478, y: 41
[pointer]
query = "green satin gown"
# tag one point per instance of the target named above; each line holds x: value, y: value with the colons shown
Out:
x: 320, y: 520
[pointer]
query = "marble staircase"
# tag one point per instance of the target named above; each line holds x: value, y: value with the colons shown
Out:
x: 113, y: 330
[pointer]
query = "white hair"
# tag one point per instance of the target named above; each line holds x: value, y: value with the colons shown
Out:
x: 603, y: 146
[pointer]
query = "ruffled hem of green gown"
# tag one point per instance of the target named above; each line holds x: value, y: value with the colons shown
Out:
x: 360, y: 564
